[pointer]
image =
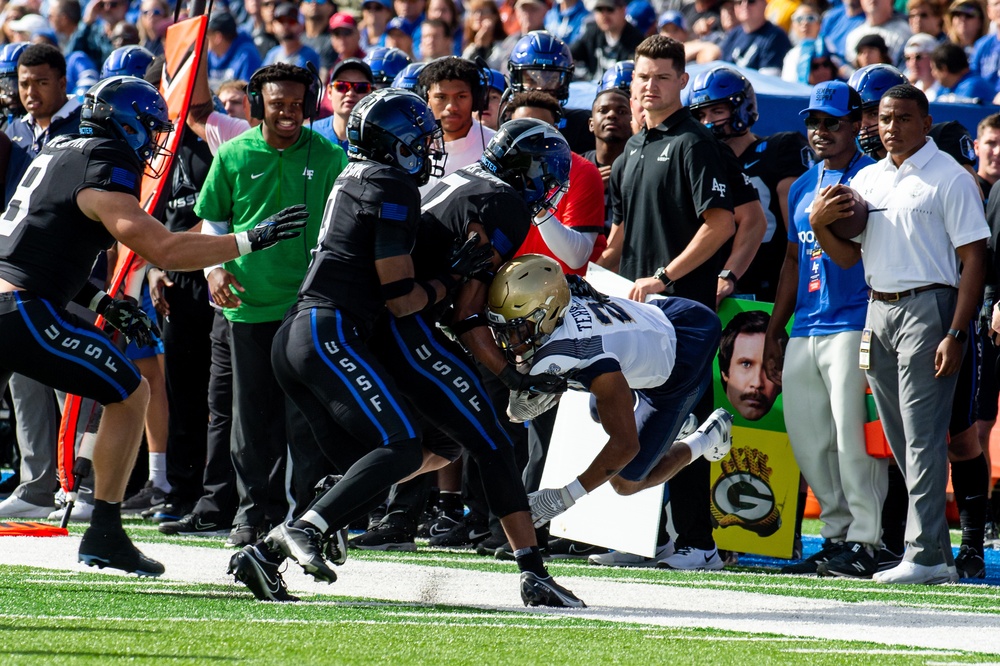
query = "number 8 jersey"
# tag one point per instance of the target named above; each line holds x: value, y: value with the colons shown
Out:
x: 596, y: 337
x: 47, y: 245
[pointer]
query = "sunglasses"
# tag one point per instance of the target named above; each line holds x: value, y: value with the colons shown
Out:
x: 152, y: 12
x: 919, y: 16
x: 829, y: 124
x: 915, y: 57
x: 604, y: 10
x: 811, y: 18
x: 344, y: 87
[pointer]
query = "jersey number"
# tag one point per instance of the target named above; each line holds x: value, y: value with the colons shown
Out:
x: 450, y: 183
x: 17, y: 209
x: 604, y: 312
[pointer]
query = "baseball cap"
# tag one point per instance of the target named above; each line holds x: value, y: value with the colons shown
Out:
x: 399, y: 23
x: 531, y: 2
x: 952, y: 138
x: 873, y: 40
x: 673, y: 17
x: 352, y: 63
x: 967, y: 8
x: 30, y: 23
x: 835, y: 98
x: 342, y: 20
x: 920, y: 43
x: 612, y: 4
x: 286, y: 10
x: 385, y: 3
x: 222, y: 22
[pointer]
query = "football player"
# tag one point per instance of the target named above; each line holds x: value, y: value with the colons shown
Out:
x: 50, y: 235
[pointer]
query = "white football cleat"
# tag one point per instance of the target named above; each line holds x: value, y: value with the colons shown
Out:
x: 718, y: 428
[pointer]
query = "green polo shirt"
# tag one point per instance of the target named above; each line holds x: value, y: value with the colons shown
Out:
x: 249, y: 181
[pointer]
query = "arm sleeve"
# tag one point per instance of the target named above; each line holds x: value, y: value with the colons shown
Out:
x: 571, y: 246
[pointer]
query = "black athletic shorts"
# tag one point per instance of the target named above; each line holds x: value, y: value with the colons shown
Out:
x: 59, y: 349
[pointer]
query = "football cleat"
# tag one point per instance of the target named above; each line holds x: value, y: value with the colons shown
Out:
x: 259, y: 575
x: 304, y: 545
x: 810, y: 565
x: 537, y: 591
x: 335, y: 547
x: 113, y: 549
x: 969, y: 564
x: 718, y: 428
x: 689, y: 427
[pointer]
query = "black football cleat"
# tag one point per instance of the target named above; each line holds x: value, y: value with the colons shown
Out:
x: 113, y: 549
x: 259, y: 575
x: 536, y: 591
x: 304, y: 546
x: 335, y: 547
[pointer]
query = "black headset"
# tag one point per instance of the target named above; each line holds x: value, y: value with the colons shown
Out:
x: 309, y: 103
x: 481, y: 91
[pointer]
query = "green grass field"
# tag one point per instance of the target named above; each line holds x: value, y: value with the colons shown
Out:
x: 57, y: 612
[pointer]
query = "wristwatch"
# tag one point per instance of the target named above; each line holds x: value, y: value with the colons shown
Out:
x: 661, y: 275
x: 958, y: 334
x: 727, y: 274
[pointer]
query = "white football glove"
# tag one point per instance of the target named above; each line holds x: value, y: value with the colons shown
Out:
x: 548, y: 503
x: 526, y: 406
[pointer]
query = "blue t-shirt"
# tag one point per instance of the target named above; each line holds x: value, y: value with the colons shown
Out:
x: 836, y: 24
x: 567, y: 26
x: 324, y: 127
x: 760, y: 49
x: 239, y: 62
x: 971, y: 89
x: 985, y: 60
x: 829, y: 299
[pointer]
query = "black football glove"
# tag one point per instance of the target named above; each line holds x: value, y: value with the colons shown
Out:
x: 283, y: 225
x: 132, y: 321
x: 471, y: 258
x: 583, y: 289
x: 543, y: 383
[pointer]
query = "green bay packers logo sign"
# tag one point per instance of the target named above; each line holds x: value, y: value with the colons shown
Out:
x: 742, y: 496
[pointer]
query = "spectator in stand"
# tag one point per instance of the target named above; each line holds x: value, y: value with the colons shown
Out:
x: 530, y: 16
x: 927, y: 16
x: 345, y: 38
x: 93, y: 37
x: 155, y: 17
x: 64, y: 17
x: 966, y: 24
x: 882, y: 20
x: 642, y: 15
x: 985, y: 59
x: 233, y: 97
x: 779, y: 12
x: 263, y: 37
x: 606, y: 41
x: 917, y: 55
x: 447, y: 11
x: 871, y: 50
x: 290, y: 49
x: 350, y: 82
x: 956, y: 84
x: 399, y: 35
x: 703, y: 17
x: 435, y: 40
x: 671, y: 24
x: 567, y: 19
x: 838, y: 22
x: 230, y: 54
x: 805, y: 34
x: 124, y: 34
x: 484, y: 34
x: 316, y: 36
x: 375, y: 14
x: 755, y: 42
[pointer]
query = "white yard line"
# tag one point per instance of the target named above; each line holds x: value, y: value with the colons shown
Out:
x: 629, y: 602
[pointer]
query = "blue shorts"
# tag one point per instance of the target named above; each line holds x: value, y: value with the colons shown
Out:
x: 134, y: 352
x: 661, y: 411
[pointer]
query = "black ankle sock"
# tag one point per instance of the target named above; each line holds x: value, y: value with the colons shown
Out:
x: 274, y: 556
x: 107, y: 515
x: 800, y: 513
x: 970, y: 479
x: 532, y: 561
x: 450, y: 502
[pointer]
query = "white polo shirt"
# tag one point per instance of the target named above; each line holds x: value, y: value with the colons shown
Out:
x: 932, y: 206
x: 462, y: 152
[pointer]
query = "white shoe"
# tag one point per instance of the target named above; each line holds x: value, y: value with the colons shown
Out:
x: 690, y: 559
x: 82, y: 513
x: 909, y: 573
x: 718, y: 427
x: 620, y: 559
x: 15, y: 507
x: 689, y: 427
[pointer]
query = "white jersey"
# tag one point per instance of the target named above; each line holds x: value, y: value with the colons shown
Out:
x: 619, y: 335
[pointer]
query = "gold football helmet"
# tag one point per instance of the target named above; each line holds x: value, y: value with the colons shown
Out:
x: 528, y: 298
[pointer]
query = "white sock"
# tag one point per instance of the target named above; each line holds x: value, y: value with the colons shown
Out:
x: 698, y: 442
x: 158, y: 471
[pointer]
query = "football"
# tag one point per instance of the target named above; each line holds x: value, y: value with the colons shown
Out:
x: 852, y: 225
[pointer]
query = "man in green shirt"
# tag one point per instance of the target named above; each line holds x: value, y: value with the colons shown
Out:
x: 274, y: 165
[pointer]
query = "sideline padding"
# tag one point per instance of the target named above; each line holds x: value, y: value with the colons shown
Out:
x: 31, y: 529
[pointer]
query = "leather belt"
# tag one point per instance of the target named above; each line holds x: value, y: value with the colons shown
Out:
x: 894, y: 296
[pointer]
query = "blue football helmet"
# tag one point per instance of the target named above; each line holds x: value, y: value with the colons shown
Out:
x: 871, y: 82
x: 133, y: 111
x: 129, y: 60
x: 497, y: 81
x: 541, y: 61
x: 641, y: 14
x: 619, y: 76
x: 397, y: 128
x: 724, y: 84
x: 409, y: 79
x: 532, y: 157
x: 8, y: 58
x: 386, y: 64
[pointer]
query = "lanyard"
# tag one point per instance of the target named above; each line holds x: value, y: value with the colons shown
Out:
x: 822, y: 171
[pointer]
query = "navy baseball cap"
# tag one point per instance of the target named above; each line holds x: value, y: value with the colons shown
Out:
x: 835, y: 98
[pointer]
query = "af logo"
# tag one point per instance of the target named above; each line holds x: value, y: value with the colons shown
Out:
x: 719, y: 187
x: 742, y: 496
x: 665, y: 155
x: 308, y: 173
